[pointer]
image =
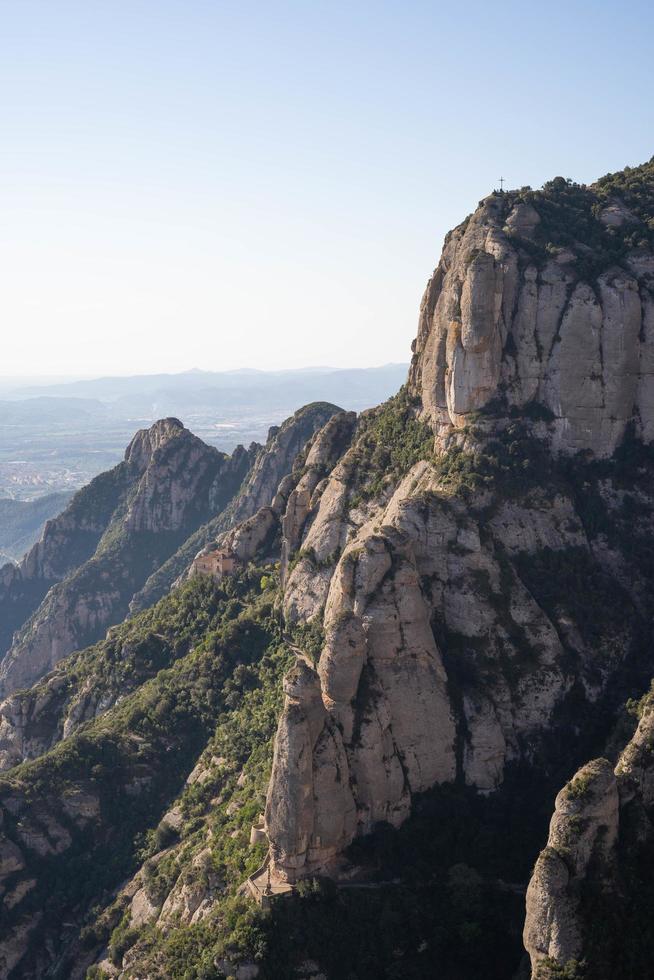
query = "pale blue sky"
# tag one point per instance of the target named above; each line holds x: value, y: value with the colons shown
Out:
x: 218, y: 185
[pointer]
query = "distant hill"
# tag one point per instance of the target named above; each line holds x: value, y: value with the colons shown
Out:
x: 356, y: 388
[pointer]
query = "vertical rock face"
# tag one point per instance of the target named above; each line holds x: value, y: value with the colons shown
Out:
x: 505, y: 317
x: 583, y: 899
x: 584, y: 828
x: 310, y: 811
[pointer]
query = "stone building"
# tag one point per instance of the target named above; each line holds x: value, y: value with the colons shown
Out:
x: 217, y: 564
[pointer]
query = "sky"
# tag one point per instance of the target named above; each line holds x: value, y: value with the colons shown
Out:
x: 198, y: 184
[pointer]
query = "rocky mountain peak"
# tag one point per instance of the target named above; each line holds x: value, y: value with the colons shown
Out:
x: 147, y: 441
x: 542, y: 305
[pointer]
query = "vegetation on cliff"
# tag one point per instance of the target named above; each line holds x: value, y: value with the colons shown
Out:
x: 571, y: 214
x: 132, y: 761
x: 391, y: 439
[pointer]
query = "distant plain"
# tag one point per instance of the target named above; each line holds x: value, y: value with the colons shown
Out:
x: 56, y: 437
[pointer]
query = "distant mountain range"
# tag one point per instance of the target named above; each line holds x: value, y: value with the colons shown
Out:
x: 200, y: 390
x: 56, y: 437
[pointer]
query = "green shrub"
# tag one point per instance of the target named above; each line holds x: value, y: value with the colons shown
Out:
x: 391, y: 440
x: 570, y: 214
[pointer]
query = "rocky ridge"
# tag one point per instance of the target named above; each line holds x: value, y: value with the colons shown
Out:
x: 33, y: 720
x: 128, y: 524
x: 271, y: 463
x: 92, y: 558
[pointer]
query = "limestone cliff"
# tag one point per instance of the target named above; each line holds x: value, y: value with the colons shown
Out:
x: 473, y: 584
x: 544, y: 299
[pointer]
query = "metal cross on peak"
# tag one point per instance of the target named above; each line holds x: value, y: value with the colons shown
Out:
x: 501, y: 184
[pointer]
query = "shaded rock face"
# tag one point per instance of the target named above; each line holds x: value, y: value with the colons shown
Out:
x: 49, y: 831
x: 30, y: 725
x: 282, y: 448
x: 39, y: 831
x: 583, y: 901
x: 495, y: 323
x: 80, y: 577
x: 584, y: 827
x: 34, y: 720
x: 263, y: 469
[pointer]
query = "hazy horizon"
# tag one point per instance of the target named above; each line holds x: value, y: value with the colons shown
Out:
x: 242, y: 369
x: 13, y: 386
